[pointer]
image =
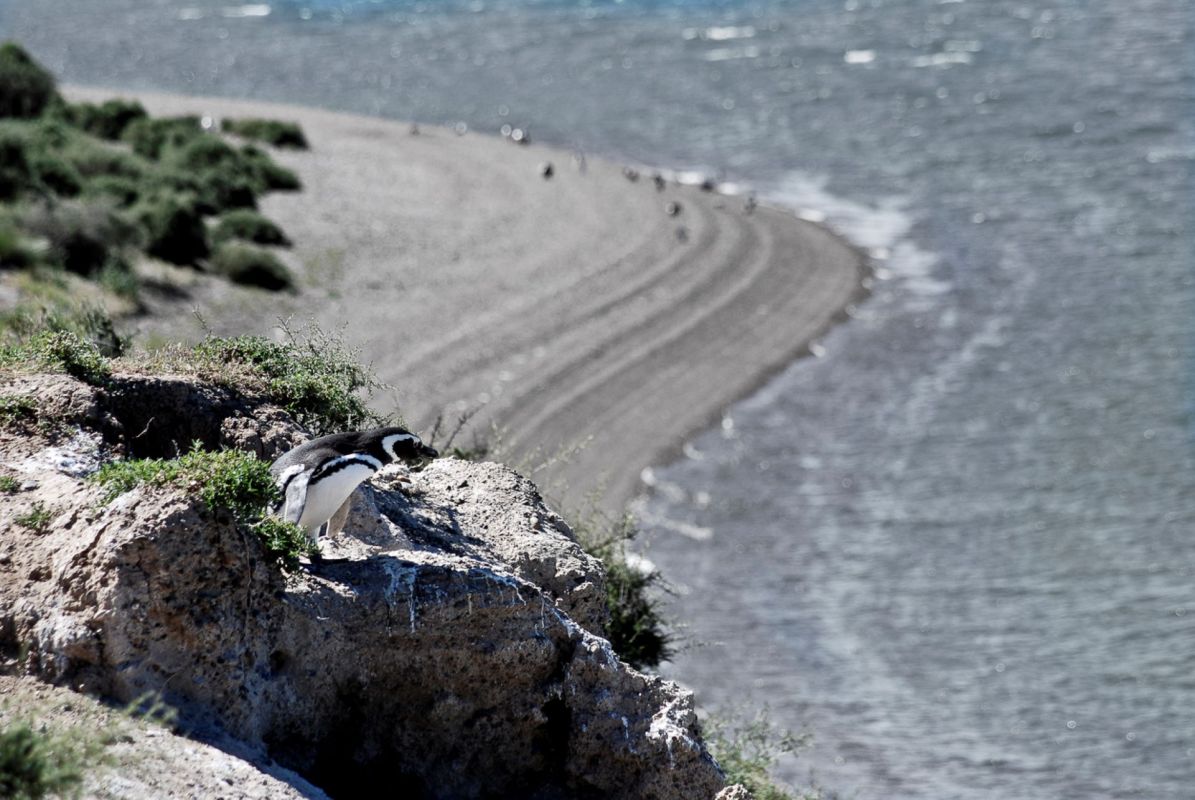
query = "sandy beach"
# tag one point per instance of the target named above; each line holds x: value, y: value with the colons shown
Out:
x: 572, y: 314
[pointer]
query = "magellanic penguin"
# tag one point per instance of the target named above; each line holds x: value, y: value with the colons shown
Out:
x: 317, y: 478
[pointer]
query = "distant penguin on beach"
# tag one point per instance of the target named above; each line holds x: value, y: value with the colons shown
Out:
x: 672, y: 208
x: 547, y: 170
x: 659, y: 181
x: 750, y: 204
x: 317, y: 479
x: 630, y: 173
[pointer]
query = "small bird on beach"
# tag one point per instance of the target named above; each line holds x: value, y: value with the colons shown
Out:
x: 317, y: 478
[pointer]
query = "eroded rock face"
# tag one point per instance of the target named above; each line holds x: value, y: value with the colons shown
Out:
x: 448, y: 647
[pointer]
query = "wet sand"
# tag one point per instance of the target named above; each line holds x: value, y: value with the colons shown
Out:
x: 574, y: 315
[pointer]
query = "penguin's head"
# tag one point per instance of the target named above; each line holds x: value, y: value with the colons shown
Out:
x: 402, y: 445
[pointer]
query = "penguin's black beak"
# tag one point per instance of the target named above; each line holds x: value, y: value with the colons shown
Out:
x: 428, y: 452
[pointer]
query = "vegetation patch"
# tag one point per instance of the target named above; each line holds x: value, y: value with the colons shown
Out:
x: 248, y: 226
x: 58, y: 351
x: 36, y: 519
x: 229, y: 479
x: 36, y: 763
x: 17, y: 408
x: 637, y: 630
x: 249, y: 265
x: 269, y: 131
x: 86, y: 187
x: 26, y: 89
x: 9, y: 484
x: 313, y: 375
x: 748, y: 750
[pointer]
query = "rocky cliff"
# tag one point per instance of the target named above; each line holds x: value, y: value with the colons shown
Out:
x: 450, y: 646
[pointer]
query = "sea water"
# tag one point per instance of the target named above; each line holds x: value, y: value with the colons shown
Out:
x: 957, y: 547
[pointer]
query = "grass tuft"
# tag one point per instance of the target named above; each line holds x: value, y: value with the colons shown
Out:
x: 9, y: 484
x: 228, y: 479
x: 313, y: 375
x: 37, y: 519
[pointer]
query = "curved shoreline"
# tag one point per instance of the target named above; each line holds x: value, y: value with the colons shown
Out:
x: 572, y: 309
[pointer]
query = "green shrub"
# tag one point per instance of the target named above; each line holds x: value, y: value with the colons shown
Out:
x: 229, y: 479
x: 90, y: 324
x: 65, y: 351
x: 314, y: 376
x: 16, y: 408
x: 118, y: 277
x: 16, y: 172
x: 82, y: 237
x: 173, y: 228
x: 251, y: 266
x: 9, y: 484
x: 224, y: 187
x: 93, y: 158
x: 108, y: 120
x: 121, y: 190
x: 57, y: 175
x: 747, y: 752
x: 269, y: 175
x: 16, y: 251
x: 25, y: 88
x: 248, y: 226
x: 150, y: 138
x: 34, y: 764
x: 204, y: 152
x: 636, y: 630
x: 272, y: 132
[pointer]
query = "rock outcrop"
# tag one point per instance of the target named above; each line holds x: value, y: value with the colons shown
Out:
x: 450, y: 646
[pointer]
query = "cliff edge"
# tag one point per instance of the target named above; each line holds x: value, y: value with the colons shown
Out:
x: 450, y: 646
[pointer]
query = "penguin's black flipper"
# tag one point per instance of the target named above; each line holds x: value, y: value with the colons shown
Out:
x: 294, y: 486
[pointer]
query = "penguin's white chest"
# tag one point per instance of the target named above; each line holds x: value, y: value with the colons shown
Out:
x: 326, y: 495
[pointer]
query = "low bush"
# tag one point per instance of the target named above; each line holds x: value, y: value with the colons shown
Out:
x: 268, y: 174
x: 25, y: 88
x: 272, y: 132
x: 248, y: 226
x: 120, y: 190
x: 16, y: 172
x: 313, y: 375
x: 636, y: 630
x: 82, y: 237
x: 89, y: 324
x: 57, y: 175
x: 229, y: 479
x: 16, y: 251
x: 62, y: 351
x: 93, y: 158
x: 173, y: 227
x: 35, y: 764
x: 251, y: 266
x: 108, y: 120
x: 747, y: 750
x: 150, y: 138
